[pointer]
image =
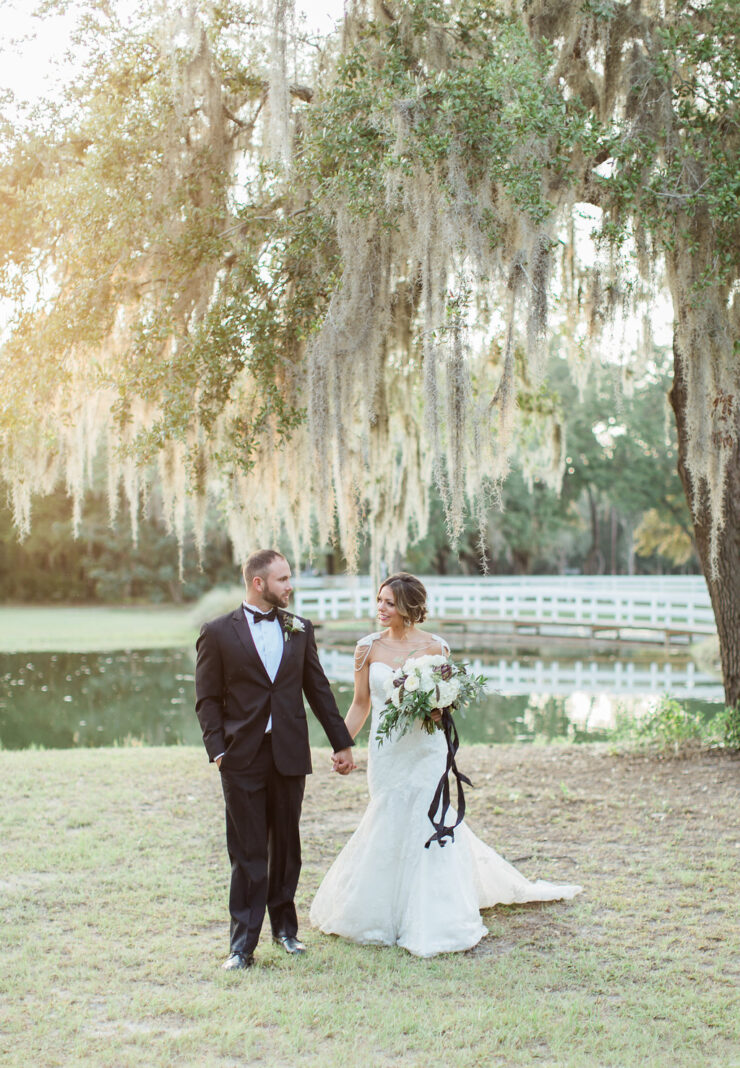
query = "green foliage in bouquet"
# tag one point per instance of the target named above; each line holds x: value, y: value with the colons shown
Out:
x: 423, y: 686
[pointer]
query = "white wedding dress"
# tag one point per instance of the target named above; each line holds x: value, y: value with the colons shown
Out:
x: 385, y: 888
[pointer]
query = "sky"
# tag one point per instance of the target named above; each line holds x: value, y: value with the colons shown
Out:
x: 29, y: 45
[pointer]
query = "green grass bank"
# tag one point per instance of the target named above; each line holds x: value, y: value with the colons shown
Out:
x: 113, y: 884
x: 94, y: 628
x: 106, y: 628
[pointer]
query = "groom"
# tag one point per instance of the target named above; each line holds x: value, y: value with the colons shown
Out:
x: 253, y: 666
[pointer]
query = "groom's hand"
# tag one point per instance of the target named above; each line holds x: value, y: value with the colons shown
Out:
x: 342, y: 761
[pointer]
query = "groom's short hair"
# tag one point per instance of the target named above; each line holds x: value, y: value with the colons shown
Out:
x: 258, y: 563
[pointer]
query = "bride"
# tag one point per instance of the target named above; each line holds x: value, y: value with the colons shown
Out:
x: 385, y: 888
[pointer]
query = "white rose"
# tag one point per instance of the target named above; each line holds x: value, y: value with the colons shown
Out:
x: 426, y: 680
x: 454, y: 687
x: 447, y: 694
x: 396, y: 696
x: 411, y: 683
x: 416, y: 663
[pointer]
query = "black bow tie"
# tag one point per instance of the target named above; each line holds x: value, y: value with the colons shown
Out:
x: 259, y: 616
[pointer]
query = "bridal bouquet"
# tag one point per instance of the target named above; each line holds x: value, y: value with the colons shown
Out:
x: 426, y: 684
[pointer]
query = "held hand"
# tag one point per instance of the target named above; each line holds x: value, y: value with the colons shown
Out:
x: 217, y: 761
x: 342, y: 762
x: 343, y: 769
x: 436, y: 715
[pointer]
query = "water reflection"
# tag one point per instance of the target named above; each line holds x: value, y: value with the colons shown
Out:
x: 538, y: 696
x: 61, y: 700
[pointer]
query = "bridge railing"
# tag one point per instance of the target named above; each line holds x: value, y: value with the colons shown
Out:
x: 681, y: 605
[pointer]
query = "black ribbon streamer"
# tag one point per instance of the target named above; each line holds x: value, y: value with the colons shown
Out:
x: 442, y: 793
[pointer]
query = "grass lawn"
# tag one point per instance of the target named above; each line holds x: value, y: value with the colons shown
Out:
x: 113, y: 885
x: 105, y: 628
x: 94, y: 628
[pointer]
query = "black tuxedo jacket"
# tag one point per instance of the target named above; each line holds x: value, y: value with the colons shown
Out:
x: 234, y: 697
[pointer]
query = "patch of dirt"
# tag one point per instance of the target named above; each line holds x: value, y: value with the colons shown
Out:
x: 25, y: 882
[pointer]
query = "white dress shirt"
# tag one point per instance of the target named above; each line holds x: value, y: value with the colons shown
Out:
x: 268, y: 641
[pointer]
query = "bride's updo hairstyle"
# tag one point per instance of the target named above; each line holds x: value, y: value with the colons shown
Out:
x: 410, y: 596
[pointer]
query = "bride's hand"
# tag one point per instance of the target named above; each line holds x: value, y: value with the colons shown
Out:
x: 436, y: 715
x: 342, y: 762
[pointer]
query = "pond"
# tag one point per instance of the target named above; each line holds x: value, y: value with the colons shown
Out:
x: 62, y: 700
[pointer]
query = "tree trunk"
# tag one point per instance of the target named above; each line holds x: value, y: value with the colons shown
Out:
x: 724, y: 583
x: 630, y: 539
x: 594, y: 563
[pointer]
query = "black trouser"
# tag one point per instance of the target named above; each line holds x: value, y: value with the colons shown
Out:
x: 263, y: 811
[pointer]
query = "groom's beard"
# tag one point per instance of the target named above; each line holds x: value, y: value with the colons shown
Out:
x: 274, y: 600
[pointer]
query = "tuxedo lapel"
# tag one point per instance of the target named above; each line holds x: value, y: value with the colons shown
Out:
x: 288, y: 646
x: 245, y: 636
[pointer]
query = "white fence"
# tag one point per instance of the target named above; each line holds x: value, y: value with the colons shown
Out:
x: 666, y: 604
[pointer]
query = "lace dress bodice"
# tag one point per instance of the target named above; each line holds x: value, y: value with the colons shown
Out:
x: 403, y: 764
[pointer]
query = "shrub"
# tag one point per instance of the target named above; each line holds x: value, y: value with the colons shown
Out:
x: 728, y: 726
x: 671, y: 725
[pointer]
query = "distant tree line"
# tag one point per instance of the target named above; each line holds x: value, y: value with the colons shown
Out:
x: 103, y: 563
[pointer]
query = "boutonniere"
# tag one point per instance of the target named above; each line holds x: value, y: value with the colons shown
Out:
x: 291, y: 625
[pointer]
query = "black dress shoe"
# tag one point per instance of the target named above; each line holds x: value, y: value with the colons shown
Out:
x: 237, y: 961
x: 289, y: 943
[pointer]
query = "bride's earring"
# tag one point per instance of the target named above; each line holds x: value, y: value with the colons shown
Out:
x: 407, y: 622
